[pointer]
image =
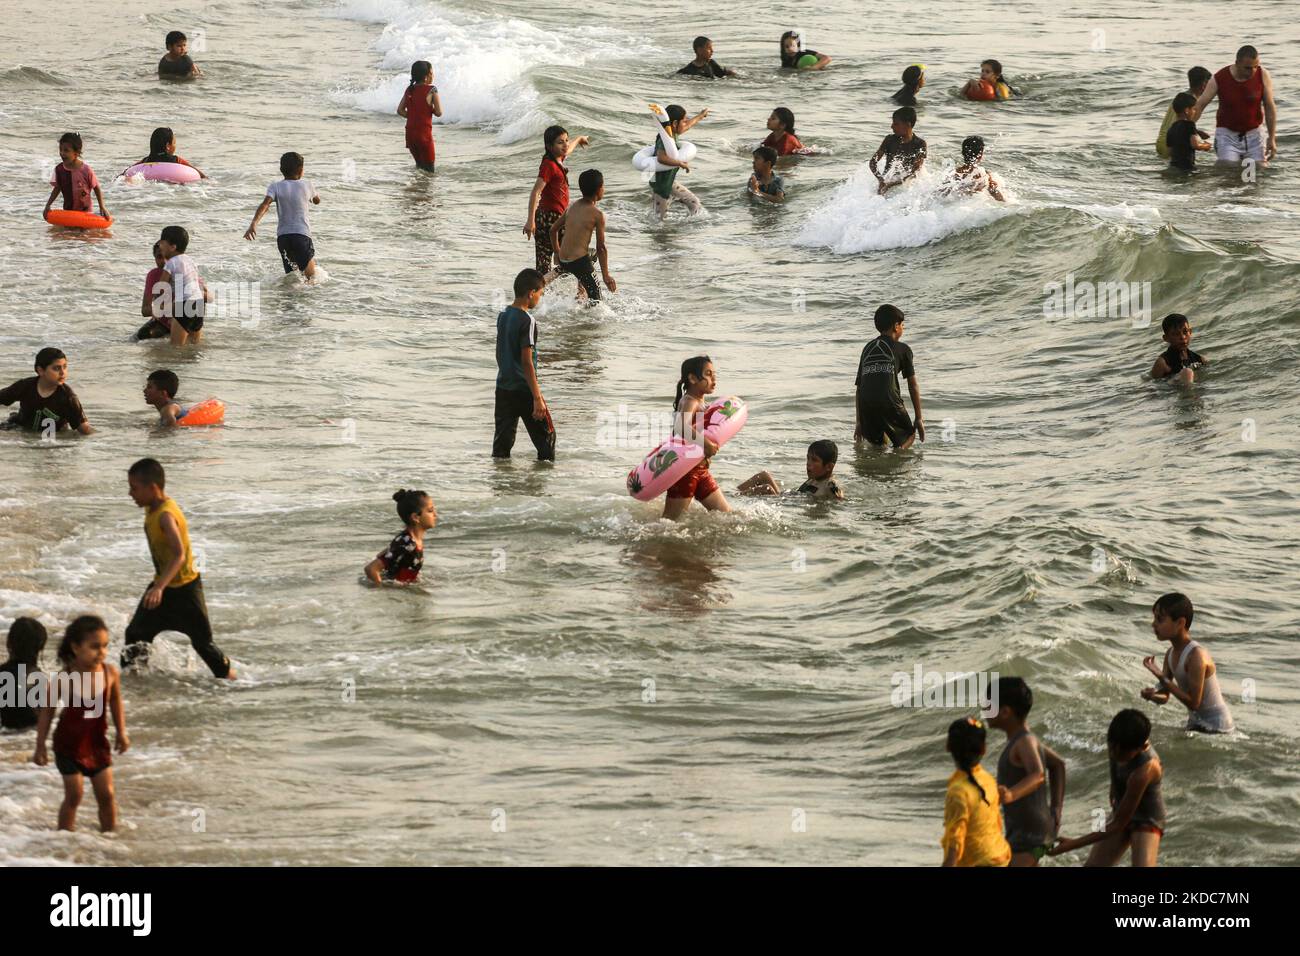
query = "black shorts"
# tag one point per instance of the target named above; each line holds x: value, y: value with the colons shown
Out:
x: 585, y: 273
x: 296, y: 251
x: 68, y: 767
x: 190, y: 324
x: 878, y: 422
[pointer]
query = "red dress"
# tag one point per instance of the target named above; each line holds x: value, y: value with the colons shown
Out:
x: 419, y: 123
x: 783, y: 143
x: 81, y: 736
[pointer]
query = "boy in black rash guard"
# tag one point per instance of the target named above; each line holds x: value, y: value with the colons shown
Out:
x: 1183, y: 138
x: 1178, y: 360
x: 45, y: 397
x: 176, y: 63
x: 880, y: 412
x: 903, y: 150
x: 704, y: 64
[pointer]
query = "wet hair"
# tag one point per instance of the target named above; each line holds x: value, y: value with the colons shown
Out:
x: 1247, y: 52
x: 1183, y: 101
x: 76, y: 634
x: 166, y: 380
x: 1173, y: 320
x: 699, y: 44
x: 692, y: 366
x: 149, y: 471
x: 1197, y: 76
x: 291, y: 164
x: 71, y: 139
x: 766, y: 153
x: 47, y: 357
x: 409, y: 502
x: 589, y: 183
x: 1129, y: 730
x: 1015, y: 693
x: 1174, y: 606
x: 550, y: 136
x: 972, y: 148
x: 178, y: 236
x: 26, y: 640
x: 905, y: 114
x: 888, y: 316
x: 175, y: 37
x: 157, y: 249
x: 160, y: 139
x: 966, y: 743
x: 786, y: 116
x: 675, y: 114
x: 912, y: 76
x: 528, y: 280
x: 996, y: 67
x: 826, y: 450
x: 790, y: 59
x: 420, y: 70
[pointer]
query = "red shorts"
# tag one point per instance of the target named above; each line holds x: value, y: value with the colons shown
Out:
x: 421, y: 150
x: 696, y: 483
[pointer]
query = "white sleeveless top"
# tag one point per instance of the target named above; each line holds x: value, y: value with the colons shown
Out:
x: 1212, y: 716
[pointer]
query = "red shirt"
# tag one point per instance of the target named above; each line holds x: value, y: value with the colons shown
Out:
x: 555, y: 194
x: 1241, y: 105
x: 783, y: 143
x: 419, y: 114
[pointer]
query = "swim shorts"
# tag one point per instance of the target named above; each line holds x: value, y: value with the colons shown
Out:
x: 585, y: 273
x: 1232, y: 147
x: 67, y: 766
x: 880, y: 422
x: 189, y: 324
x: 696, y: 483
x: 296, y: 251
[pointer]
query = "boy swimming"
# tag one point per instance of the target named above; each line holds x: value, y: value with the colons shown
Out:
x: 820, y: 467
x: 45, y: 398
x: 902, y: 147
x: 1178, y: 360
x: 970, y: 177
x: 176, y: 63
x: 704, y: 64
x: 160, y: 390
x: 571, y: 237
x: 1189, y: 673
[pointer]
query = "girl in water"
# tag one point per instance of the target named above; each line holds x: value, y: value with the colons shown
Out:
x: 792, y: 52
x: 782, y: 138
x: 990, y: 85
x: 972, y: 815
x: 550, y: 196
x: 401, y: 561
x: 420, y: 104
x: 81, y: 739
x: 162, y: 149
x: 698, y: 379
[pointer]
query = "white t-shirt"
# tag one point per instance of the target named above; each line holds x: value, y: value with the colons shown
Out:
x: 291, y: 198
x: 185, y: 278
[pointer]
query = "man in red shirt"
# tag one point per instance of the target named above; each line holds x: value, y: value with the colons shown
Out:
x: 1245, y: 92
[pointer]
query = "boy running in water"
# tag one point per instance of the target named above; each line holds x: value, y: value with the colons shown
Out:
x: 571, y: 237
x: 903, y: 147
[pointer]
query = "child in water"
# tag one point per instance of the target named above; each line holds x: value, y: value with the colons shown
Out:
x: 420, y: 104
x: 1178, y: 361
x: 1189, y: 673
x: 782, y: 138
x: 1025, y: 768
x: 972, y: 817
x: 45, y: 400
x: 697, y: 380
x: 81, y: 739
x: 160, y: 391
x: 550, y: 195
x: 913, y: 81
x: 664, y: 184
x: 764, y: 183
x: 176, y: 63
x: 902, y: 147
x: 21, y: 669
x: 571, y: 237
x: 1183, y: 139
x: 162, y: 149
x: 820, y: 467
x: 1198, y: 78
x: 990, y: 84
x: 792, y: 52
x: 74, y: 179
x: 187, y: 295
x: 292, y: 234
x: 401, y: 561
x: 1137, y: 807
x: 154, y: 306
x: 879, y: 404
x: 970, y: 177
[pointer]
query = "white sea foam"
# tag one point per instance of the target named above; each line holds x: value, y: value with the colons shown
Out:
x: 480, y: 64
x: 857, y: 219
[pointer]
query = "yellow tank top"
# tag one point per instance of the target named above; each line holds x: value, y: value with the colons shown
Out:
x: 158, y: 549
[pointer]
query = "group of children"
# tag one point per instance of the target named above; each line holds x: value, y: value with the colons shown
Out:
x: 1015, y: 819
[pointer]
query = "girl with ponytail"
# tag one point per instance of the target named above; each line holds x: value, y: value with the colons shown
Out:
x: 972, y: 816
x: 697, y: 380
x: 401, y: 561
x: 420, y: 104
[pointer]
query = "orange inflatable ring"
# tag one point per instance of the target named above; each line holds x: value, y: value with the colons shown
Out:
x: 980, y: 90
x: 75, y: 219
x: 210, y: 411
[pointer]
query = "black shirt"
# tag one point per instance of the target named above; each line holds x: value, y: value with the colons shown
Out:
x: 1179, y: 140
x: 905, y: 97
x: 1176, y: 363
x: 711, y: 69
x: 182, y: 67
x: 19, y: 716
x: 882, y: 361
x: 909, y: 154
x: 34, y: 409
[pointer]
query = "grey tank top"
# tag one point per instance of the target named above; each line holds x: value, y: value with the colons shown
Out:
x: 1029, y: 820
x: 1151, y: 808
x: 1213, y: 715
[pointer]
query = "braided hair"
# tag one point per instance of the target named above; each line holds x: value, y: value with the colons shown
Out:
x: 420, y: 70
x: 966, y: 744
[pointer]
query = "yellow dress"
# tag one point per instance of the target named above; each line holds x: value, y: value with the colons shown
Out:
x: 972, y: 826
x: 158, y: 549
